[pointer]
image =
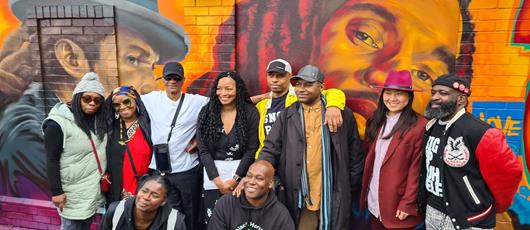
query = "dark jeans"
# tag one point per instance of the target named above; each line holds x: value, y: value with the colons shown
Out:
x: 186, y: 195
x: 67, y: 224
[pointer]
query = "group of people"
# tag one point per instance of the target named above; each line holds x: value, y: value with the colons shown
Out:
x: 288, y: 159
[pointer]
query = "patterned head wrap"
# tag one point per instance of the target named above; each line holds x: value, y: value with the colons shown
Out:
x: 125, y: 91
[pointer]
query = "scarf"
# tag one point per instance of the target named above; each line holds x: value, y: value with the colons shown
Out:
x: 327, y: 173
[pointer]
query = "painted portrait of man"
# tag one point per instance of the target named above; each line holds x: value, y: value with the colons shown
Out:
x: 142, y: 39
x: 356, y: 43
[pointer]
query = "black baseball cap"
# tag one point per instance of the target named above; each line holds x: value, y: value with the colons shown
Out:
x: 173, y: 68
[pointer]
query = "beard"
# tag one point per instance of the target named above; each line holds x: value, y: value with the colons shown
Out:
x: 444, y: 111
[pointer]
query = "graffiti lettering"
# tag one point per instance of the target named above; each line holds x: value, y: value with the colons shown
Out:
x: 510, y: 127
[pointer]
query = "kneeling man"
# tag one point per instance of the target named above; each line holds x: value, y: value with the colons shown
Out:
x: 257, y: 207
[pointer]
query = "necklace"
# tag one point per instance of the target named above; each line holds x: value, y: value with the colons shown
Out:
x: 130, y: 131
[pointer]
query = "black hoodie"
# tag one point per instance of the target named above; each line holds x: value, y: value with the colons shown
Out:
x: 232, y: 213
x: 126, y: 221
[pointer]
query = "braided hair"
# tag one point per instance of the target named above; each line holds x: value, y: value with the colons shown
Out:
x: 210, y: 125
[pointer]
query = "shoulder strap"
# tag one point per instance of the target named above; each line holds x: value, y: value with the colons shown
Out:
x: 176, y: 115
x: 117, y: 214
x: 172, y: 219
x: 132, y: 161
x: 96, y: 155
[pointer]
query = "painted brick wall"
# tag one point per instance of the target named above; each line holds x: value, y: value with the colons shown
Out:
x: 32, y: 214
x: 202, y: 22
x: 500, y: 68
x: 84, y: 25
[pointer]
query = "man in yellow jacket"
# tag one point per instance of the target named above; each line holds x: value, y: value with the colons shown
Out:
x: 281, y: 96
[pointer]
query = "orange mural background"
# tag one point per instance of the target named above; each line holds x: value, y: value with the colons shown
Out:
x: 500, y: 66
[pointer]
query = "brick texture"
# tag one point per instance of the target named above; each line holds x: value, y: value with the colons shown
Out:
x: 16, y: 213
x: 209, y: 22
x: 90, y: 28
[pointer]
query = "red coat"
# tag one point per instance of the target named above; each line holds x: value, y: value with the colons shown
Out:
x: 399, y: 175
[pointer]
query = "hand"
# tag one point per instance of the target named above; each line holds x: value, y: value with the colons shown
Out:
x: 232, y: 183
x: 401, y: 215
x: 59, y: 201
x: 15, y: 73
x: 125, y: 194
x: 333, y: 118
x: 223, y: 187
x: 239, y: 189
x: 258, y: 98
x: 192, y: 146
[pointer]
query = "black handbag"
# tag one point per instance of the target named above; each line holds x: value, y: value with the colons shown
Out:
x: 161, y: 151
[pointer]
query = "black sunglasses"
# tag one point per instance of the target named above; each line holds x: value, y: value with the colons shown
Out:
x: 87, y: 99
x: 173, y: 77
x: 126, y: 102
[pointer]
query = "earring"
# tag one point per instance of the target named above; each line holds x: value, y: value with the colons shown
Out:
x: 117, y: 116
x: 138, y: 110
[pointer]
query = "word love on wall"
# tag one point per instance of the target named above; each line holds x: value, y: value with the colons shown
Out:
x: 506, y: 116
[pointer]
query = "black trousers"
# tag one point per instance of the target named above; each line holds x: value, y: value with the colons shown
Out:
x: 186, y: 195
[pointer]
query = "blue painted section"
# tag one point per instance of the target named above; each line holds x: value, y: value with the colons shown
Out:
x: 503, y: 110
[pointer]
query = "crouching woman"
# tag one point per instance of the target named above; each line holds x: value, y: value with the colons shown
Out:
x: 147, y: 210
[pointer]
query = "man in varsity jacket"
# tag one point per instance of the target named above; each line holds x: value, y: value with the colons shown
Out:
x: 469, y: 172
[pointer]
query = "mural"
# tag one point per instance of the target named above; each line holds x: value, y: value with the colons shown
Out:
x: 354, y: 42
x: 140, y: 39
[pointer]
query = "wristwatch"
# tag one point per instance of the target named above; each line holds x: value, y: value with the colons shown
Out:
x: 236, y: 178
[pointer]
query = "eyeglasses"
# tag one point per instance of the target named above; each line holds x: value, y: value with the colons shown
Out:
x: 87, y: 99
x: 173, y: 77
x: 126, y: 102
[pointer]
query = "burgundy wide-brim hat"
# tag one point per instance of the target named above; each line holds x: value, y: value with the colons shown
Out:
x: 398, y: 80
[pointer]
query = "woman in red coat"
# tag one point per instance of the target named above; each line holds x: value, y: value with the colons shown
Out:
x: 394, y: 137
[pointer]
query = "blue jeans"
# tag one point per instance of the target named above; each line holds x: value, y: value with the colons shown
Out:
x: 67, y: 224
x: 436, y: 220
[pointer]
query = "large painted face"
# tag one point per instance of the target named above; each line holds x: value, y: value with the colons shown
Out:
x: 136, y: 60
x: 366, y: 39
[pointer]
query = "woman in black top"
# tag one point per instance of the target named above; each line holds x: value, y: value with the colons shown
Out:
x: 227, y: 137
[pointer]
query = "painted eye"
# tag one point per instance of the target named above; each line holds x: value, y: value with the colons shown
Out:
x: 364, y: 37
x: 361, y: 38
x: 133, y: 60
x: 422, y: 75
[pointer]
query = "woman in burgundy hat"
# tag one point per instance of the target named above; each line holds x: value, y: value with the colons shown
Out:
x: 394, y: 139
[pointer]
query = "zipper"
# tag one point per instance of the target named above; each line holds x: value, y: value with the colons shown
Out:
x: 471, y: 191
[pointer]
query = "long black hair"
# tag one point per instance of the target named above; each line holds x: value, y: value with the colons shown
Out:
x: 81, y: 118
x: 407, y: 118
x: 210, y: 124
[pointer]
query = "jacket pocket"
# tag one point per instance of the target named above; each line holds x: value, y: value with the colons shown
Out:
x: 470, y: 190
x: 480, y: 215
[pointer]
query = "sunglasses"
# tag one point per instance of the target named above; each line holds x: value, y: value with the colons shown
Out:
x: 87, y: 99
x: 126, y: 102
x: 173, y: 77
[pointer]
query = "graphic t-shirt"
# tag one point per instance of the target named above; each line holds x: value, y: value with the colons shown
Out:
x: 434, y: 164
x: 277, y: 105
